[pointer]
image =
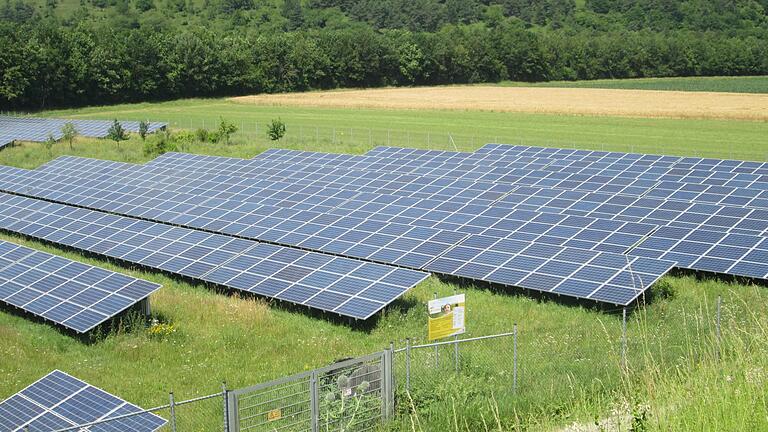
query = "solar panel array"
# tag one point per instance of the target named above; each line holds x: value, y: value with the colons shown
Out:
x: 520, y: 204
x: 409, y: 245
x: 340, y: 285
x: 597, y: 225
x: 72, y: 294
x: 39, y: 129
x: 60, y: 401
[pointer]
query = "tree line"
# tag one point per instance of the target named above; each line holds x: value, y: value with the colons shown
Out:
x: 49, y: 61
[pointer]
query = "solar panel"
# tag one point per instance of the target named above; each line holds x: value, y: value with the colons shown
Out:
x: 39, y: 129
x: 72, y: 294
x: 599, y: 276
x: 339, y: 285
x: 60, y: 401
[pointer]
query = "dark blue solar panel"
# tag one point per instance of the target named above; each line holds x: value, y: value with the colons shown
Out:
x: 59, y: 401
x: 74, y: 295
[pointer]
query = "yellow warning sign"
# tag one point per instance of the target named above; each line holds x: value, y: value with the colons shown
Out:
x: 446, y: 317
x: 275, y: 414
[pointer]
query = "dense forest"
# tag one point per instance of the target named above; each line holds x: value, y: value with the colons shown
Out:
x: 80, y: 52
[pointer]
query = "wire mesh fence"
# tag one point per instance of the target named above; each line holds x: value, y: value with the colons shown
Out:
x: 340, y: 138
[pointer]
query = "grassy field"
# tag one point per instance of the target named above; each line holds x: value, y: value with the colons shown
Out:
x: 570, y: 370
x: 356, y: 131
x: 748, y: 84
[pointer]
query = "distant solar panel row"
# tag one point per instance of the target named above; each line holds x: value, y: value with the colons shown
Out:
x: 60, y: 401
x: 340, y: 285
x: 75, y: 295
x: 723, y: 192
x: 579, y: 164
x: 726, y: 165
x: 39, y: 129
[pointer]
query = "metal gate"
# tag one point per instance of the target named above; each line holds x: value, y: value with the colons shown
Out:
x: 350, y: 395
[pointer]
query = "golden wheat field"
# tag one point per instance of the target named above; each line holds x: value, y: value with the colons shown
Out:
x: 576, y: 101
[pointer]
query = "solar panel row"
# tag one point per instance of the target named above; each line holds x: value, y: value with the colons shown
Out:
x: 719, y: 193
x: 726, y: 165
x: 340, y: 285
x: 39, y: 129
x: 59, y: 401
x: 592, y: 234
x: 630, y: 177
x: 72, y: 294
x: 579, y: 164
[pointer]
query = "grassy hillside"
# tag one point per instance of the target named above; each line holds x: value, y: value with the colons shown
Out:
x: 569, y: 354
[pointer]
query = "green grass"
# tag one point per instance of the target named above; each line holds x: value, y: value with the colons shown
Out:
x: 747, y: 84
x: 569, y: 354
x: 356, y: 131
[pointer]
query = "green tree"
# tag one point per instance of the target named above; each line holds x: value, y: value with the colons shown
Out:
x: 293, y: 13
x: 276, y: 130
x: 69, y: 132
x: 226, y: 129
x: 143, y: 129
x: 116, y: 133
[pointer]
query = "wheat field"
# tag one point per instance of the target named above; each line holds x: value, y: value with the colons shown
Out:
x: 573, y: 101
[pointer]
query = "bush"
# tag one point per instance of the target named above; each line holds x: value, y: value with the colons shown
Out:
x: 203, y: 135
x: 161, y: 143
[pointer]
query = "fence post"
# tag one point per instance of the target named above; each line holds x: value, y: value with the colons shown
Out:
x: 437, y: 347
x: 173, y: 412
x: 389, y: 395
x: 408, y: 364
x: 388, y: 137
x: 717, y: 325
x: 624, y: 339
x: 314, y: 402
x: 225, y: 394
x: 456, y: 353
x: 514, y: 358
x: 370, y: 138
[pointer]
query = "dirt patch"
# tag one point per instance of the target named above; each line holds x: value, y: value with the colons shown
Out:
x: 577, y: 101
